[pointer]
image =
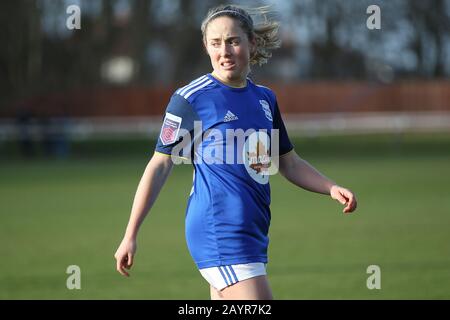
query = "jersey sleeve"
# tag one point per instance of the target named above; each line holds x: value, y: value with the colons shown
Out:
x: 177, y: 123
x: 285, y: 143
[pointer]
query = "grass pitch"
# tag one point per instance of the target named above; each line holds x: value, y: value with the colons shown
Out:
x: 56, y: 213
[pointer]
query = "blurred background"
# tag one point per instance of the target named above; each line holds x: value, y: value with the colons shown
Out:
x: 80, y: 110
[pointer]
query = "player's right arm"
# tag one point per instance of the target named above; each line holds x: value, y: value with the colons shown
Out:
x: 179, y: 115
x: 151, y: 183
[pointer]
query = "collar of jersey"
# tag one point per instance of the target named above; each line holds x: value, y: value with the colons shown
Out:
x: 229, y: 87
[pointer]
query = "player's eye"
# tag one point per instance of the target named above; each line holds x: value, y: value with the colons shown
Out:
x: 233, y: 42
x: 215, y: 44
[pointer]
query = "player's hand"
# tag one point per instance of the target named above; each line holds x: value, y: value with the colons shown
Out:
x: 344, y: 196
x: 124, y: 256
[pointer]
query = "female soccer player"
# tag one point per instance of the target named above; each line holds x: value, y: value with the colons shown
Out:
x: 232, y: 131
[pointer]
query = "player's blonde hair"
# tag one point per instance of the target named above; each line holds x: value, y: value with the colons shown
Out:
x: 265, y: 31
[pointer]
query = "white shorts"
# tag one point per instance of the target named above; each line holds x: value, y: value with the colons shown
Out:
x: 224, y: 276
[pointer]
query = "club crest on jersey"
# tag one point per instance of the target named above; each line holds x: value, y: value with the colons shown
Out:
x: 266, y: 108
x: 170, y: 128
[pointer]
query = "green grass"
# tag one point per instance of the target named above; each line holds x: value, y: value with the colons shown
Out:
x: 56, y: 213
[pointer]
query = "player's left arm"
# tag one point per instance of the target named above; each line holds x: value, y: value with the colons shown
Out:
x: 304, y: 175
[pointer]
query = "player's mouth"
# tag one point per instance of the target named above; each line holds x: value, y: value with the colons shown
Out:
x: 227, y: 65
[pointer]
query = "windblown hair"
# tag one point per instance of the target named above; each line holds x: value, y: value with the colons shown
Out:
x: 265, y: 31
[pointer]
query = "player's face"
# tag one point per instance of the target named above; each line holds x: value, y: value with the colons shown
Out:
x: 229, y: 50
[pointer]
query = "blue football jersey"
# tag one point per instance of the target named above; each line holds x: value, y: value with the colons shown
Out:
x: 229, y: 134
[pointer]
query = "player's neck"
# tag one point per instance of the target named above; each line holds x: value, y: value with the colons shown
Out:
x: 241, y: 83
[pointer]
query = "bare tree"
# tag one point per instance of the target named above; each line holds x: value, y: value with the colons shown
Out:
x: 21, y: 54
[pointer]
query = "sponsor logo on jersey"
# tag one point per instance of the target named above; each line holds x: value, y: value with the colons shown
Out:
x: 265, y: 106
x: 256, y: 154
x: 170, y: 128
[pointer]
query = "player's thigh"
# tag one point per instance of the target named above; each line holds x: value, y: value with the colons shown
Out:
x: 215, y: 294
x: 256, y: 288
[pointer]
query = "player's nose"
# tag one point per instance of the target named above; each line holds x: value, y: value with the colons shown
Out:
x: 224, y: 49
